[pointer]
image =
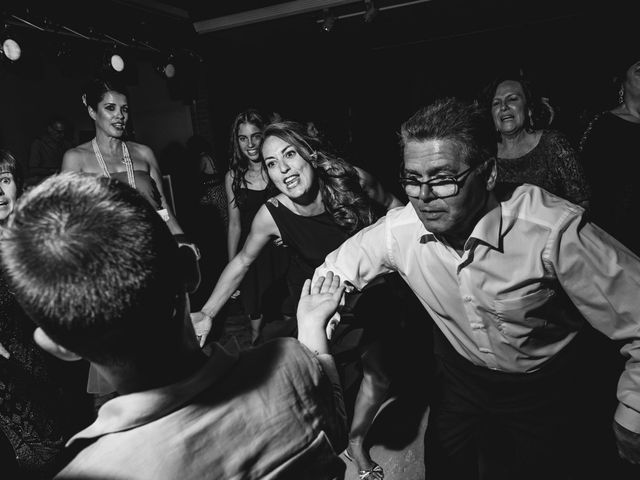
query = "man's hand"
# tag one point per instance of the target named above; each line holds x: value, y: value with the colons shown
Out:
x: 316, y: 306
x: 202, y: 326
x: 628, y: 443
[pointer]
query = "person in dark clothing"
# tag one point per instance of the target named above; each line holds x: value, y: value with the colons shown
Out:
x: 609, y: 151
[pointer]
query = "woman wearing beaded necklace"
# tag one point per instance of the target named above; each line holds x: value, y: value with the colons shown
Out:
x: 110, y: 155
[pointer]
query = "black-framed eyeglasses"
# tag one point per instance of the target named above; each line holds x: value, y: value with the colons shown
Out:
x: 441, y: 187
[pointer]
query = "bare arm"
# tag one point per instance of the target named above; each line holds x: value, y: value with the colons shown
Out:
x: 376, y: 192
x: 154, y: 172
x: 233, y: 231
x: 263, y: 229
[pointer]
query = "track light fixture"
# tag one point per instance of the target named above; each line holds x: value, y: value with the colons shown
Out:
x: 116, y: 62
x: 329, y: 20
x: 167, y: 68
x: 114, y: 57
x: 11, y: 49
x: 370, y: 11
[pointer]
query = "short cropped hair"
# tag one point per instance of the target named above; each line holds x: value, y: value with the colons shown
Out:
x: 94, y: 266
x: 467, y: 124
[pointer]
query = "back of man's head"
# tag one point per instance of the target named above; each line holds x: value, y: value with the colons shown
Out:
x: 468, y: 124
x: 94, y: 266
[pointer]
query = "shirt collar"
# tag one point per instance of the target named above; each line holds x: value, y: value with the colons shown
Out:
x: 139, y: 408
x: 488, y: 229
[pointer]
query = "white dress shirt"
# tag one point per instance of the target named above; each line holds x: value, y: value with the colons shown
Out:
x: 509, y: 302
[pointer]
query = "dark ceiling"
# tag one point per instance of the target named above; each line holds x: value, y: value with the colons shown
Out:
x: 365, y: 77
x: 169, y: 24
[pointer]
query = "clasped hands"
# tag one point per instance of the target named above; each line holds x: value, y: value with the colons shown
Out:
x: 317, y: 305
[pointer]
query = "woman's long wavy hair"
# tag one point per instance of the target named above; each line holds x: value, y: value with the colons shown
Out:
x: 238, y: 163
x: 339, y: 182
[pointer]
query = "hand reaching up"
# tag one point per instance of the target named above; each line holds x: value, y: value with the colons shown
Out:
x: 317, y: 305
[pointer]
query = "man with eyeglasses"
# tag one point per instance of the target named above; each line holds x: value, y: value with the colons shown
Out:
x: 509, y: 276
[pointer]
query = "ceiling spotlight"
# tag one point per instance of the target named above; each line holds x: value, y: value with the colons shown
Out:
x: 11, y: 49
x: 113, y: 60
x: 370, y: 11
x: 116, y: 62
x: 169, y: 68
x: 329, y: 21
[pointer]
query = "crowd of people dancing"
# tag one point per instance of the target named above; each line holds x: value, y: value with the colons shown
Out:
x: 516, y: 243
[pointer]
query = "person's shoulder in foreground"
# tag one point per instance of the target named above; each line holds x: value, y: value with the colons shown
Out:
x: 266, y: 412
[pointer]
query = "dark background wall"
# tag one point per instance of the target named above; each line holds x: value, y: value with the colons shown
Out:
x: 359, y: 81
x: 362, y: 81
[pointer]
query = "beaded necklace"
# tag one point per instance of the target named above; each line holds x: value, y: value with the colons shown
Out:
x: 126, y: 159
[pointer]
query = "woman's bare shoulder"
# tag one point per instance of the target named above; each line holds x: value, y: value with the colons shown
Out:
x: 139, y: 150
x: 78, y: 158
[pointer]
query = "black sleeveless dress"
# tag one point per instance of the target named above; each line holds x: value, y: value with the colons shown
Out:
x: 310, y: 240
x: 270, y: 265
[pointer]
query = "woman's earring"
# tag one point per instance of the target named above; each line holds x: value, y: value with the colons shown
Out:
x: 621, y: 95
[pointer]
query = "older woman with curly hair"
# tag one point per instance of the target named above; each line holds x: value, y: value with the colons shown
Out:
x: 323, y: 200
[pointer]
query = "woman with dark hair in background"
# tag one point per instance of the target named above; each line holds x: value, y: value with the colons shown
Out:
x: 321, y: 203
x: 110, y: 154
x: 610, y: 149
x: 529, y: 152
x: 33, y: 399
x: 248, y: 187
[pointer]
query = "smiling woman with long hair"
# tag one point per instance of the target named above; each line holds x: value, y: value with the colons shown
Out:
x: 248, y: 187
x: 322, y: 200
